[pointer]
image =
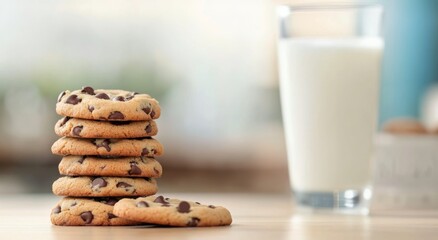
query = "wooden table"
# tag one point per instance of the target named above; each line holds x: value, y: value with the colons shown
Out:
x: 255, y: 216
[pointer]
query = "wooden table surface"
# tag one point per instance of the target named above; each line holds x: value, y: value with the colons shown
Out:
x: 255, y: 216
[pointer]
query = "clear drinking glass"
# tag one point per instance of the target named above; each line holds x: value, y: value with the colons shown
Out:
x: 329, y: 65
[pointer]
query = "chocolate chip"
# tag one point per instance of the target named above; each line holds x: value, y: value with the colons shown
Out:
x: 111, y: 216
x: 102, y: 96
x: 145, y: 152
x: 81, y: 160
x: 88, y: 90
x: 110, y: 201
x: 183, y: 207
x: 64, y: 121
x: 77, y: 130
x: 56, y: 210
x: 152, y: 114
x: 147, y: 110
x: 148, y: 129
x: 87, y: 217
x: 90, y: 108
x: 116, y: 115
x: 60, y: 96
x: 167, y: 199
x: 99, y: 183
x: 119, y: 98
x: 142, y: 204
x: 211, y: 206
x: 160, y: 199
x: 129, y: 97
x: 193, y: 222
x: 135, y: 170
x: 105, y: 143
x: 123, y: 185
x: 73, y: 99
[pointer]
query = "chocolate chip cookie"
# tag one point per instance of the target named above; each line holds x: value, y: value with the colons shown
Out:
x: 112, y: 105
x: 87, y: 212
x: 148, y: 147
x: 82, y: 128
x: 111, y: 167
x: 172, y: 212
x: 104, y: 186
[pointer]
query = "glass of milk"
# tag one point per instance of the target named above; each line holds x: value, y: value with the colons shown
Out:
x: 329, y: 68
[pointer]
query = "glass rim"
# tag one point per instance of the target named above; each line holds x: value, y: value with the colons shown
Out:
x: 329, y: 6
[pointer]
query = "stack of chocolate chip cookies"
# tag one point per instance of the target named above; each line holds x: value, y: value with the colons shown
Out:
x: 108, y: 154
x: 109, y: 166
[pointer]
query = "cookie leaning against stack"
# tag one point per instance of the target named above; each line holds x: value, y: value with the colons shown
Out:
x: 172, y: 212
x: 106, y: 140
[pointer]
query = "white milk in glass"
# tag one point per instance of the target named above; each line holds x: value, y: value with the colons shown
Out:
x: 329, y: 91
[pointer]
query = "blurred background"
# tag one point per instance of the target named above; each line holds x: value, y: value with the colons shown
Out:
x: 211, y: 64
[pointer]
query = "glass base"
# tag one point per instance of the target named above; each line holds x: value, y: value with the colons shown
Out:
x: 348, y: 201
